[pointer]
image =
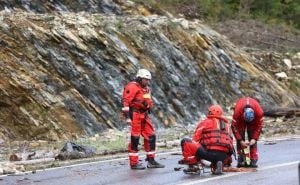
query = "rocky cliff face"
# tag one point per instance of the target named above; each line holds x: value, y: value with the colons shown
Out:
x: 63, y: 68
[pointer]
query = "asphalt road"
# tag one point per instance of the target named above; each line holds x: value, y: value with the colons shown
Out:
x: 278, y: 165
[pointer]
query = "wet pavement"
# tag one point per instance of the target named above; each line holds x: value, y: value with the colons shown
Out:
x: 278, y: 164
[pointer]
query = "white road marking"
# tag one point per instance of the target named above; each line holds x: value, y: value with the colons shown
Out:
x: 194, y: 182
x: 87, y: 163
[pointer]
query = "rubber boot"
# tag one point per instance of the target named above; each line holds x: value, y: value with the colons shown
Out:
x: 192, y: 169
x: 138, y: 166
x: 240, y: 161
x: 253, y: 163
x: 219, y: 168
x: 154, y: 164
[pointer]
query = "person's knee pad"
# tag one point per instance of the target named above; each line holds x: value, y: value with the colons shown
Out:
x: 135, y: 142
x: 152, y: 140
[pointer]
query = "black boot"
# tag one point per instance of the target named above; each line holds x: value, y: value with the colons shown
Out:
x: 154, y: 164
x: 217, y: 168
x: 192, y: 169
x: 253, y: 163
x: 138, y: 166
x: 240, y: 161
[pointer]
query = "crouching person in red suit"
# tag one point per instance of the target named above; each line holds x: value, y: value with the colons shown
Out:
x: 247, y: 117
x: 212, y: 141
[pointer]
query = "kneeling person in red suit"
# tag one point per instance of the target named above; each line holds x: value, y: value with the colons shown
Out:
x: 212, y: 141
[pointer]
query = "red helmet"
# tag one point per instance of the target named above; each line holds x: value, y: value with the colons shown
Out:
x: 215, y: 110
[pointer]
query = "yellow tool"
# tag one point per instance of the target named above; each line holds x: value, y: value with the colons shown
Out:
x: 246, y: 153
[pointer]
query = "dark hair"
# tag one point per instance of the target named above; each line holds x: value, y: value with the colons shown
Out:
x: 138, y: 80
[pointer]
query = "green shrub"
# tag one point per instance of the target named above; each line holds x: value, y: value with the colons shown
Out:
x: 272, y: 11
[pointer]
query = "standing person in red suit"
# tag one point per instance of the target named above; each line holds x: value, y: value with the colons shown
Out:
x: 137, y: 104
x: 247, y: 117
x: 212, y: 141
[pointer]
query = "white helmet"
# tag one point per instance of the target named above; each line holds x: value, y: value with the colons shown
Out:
x: 144, y: 73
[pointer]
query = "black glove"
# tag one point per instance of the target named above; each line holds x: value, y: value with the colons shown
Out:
x: 182, y: 161
x: 146, y: 104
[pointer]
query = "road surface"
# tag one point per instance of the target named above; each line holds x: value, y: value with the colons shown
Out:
x: 278, y: 165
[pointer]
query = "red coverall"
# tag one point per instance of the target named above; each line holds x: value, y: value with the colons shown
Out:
x: 137, y: 101
x: 253, y: 128
x: 212, y: 134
